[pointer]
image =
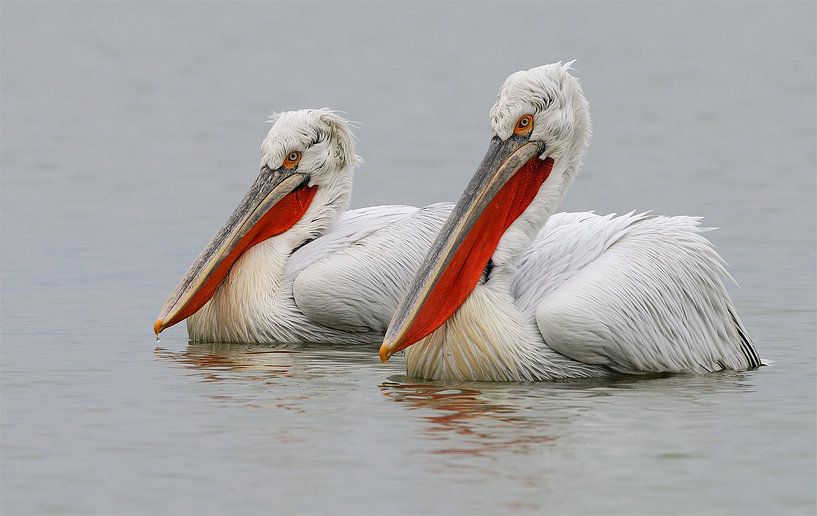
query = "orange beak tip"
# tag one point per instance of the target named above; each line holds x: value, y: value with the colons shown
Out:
x: 158, y: 326
x: 385, y: 354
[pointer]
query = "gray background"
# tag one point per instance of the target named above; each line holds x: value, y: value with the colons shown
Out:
x: 131, y: 130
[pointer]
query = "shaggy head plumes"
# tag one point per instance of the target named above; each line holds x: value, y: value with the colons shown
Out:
x: 561, y: 119
x: 555, y: 99
x: 322, y: 136
x: 250, y: 305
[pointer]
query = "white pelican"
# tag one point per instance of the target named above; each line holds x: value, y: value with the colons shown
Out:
x: 291, y: 264
x: 505, y: 294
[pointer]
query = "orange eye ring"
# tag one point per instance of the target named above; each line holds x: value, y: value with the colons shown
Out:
x: 524, y: 125
x: 292, y: 160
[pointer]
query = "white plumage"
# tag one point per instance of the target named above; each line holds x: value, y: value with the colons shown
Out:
x: 339, y: 288
x: 575, y: 295
x: 334, y: 276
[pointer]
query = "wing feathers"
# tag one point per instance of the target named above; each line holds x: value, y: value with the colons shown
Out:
x: 356, y: 286
x: 646, y: 296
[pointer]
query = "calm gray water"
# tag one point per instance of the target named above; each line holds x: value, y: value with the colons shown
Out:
x: 130, y: 131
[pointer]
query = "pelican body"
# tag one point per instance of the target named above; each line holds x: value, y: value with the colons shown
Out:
x: 291, y: 264
x: 509, y: 293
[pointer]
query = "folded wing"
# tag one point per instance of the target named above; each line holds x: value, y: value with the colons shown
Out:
x: 352, y: 278
x: 635, y: 293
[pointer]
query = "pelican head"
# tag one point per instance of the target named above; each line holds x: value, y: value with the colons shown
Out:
x: 541, y: 125
x: 307, y: 162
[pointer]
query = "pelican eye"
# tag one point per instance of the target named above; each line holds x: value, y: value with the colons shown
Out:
x: 291, y: 161
x: 524, y: 125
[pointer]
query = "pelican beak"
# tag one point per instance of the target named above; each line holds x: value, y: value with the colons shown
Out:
x: 504, y: 185
x: 275, y: 202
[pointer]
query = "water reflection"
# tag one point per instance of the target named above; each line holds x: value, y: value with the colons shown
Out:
x: 484, y: 419
x: 455, y: 420
x: 221, y: 361
x: 467, y: 421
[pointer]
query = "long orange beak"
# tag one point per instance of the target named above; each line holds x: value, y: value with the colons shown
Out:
x: 502, y: 188
x: 276, y: 201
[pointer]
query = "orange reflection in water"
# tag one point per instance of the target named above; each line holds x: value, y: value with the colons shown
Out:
x: 216, y: 362
x: 240, y: 365
x: 466, y: 421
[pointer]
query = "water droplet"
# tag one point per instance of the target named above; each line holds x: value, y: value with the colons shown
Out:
x: 158, y: 339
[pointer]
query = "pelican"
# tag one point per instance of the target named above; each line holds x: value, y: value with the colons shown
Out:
x: 291, y: 264
x: 509, y: 293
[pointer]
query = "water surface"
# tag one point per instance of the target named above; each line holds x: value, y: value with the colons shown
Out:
x: 130, y: 131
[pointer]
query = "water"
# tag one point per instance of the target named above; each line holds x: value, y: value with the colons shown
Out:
x: 130, y: 131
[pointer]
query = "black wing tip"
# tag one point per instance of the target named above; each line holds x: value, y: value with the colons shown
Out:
x: 746, y: 345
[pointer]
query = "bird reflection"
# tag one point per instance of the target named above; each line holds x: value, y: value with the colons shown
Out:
x: 466, y: 420
x: 271, y: 363
x: 220, y: 361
